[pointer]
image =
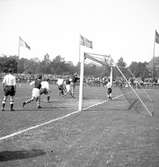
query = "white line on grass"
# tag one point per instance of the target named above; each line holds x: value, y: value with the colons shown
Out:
x: 101, y: 102
x: 51, y: 121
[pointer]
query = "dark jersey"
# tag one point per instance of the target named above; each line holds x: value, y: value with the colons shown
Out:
x: 38, y: 83
x: 67, y: 82
x: 74, y: 79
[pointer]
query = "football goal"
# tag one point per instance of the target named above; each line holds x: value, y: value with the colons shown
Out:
x: 92, y: 86
x: 137, y: 97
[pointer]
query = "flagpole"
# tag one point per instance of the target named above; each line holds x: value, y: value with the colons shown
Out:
x: 153, y: 67
x: 19, y: 48
x: 79, y: 49
x: 81, y: 82
x: 18, y: 54
x: 82, y: 58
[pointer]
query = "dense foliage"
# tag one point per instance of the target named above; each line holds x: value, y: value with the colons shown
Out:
x: 59, y: 66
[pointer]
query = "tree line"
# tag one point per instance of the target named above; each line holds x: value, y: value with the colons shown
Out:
x: 58, y: 66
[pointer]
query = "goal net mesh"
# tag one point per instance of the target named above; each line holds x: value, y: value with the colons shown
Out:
x: 137, y: 97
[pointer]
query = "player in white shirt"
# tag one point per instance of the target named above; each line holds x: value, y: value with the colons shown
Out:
x: 45, y: 89
x: 61, y: 86
x: 69, y: 86
x: 9, y: 88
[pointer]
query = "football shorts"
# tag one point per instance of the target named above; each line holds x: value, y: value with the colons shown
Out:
x: 9, y: 91
x: 35, y: 92
x: 44, y: 91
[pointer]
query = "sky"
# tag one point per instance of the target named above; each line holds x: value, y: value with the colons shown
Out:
x: 120, y: 28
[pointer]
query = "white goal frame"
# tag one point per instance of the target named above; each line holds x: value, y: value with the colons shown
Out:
x: 82, y: 58
x: 108, y: 60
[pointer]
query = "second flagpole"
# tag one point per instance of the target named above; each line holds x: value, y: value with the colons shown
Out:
x: 18, y: 48
x: 153, y: 67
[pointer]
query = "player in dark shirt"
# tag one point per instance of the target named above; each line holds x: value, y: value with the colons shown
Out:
x: 74, y: 79
x: 35, y: 92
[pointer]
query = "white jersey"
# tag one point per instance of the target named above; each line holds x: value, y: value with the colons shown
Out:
x: 9, y: 80
x: 60, y: 81
x: 109, y: 85
x: 45, y: 85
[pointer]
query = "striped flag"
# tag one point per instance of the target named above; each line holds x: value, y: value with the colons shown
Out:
x: 156, y: 37
x: 23, y: 43
x: 85, y: 42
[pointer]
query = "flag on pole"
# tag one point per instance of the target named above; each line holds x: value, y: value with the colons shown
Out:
x: 23, y: 43
x: 85, y: 42
x: 156, y: 37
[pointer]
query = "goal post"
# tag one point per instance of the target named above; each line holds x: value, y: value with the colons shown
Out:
x: 81, y: 82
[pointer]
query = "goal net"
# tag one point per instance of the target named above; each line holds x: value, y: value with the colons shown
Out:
x: 136, y: 95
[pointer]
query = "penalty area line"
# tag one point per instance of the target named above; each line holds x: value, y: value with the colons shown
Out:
x: 51, y: 121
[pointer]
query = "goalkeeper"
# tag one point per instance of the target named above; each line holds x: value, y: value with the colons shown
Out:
x: 109, y: 89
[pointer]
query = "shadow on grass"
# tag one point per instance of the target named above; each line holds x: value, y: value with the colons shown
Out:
x: 44, y: 108
x: 22, y: 154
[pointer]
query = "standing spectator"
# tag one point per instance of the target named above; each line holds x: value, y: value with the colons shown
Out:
x: 45, y: 89
x: 35, y: 92
x: 9, y: 87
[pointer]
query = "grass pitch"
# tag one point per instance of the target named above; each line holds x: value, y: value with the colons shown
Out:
x: 104, y: 135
